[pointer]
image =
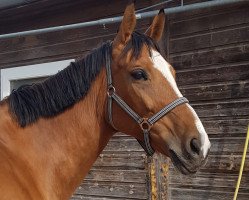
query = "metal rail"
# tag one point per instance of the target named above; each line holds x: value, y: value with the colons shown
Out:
x: 102, y: 22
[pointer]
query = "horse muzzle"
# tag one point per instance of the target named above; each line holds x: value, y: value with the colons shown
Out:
x: 187, y: 164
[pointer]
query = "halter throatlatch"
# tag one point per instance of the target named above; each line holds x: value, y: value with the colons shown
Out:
x: 144, y: 123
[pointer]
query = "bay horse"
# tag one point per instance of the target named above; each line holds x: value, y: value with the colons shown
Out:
x: 52, y: 132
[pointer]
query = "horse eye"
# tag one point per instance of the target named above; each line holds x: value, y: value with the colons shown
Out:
x: 139, y: 74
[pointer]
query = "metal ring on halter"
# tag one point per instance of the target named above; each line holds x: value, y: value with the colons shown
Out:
x: 111, y: 90
x: 145, y: 125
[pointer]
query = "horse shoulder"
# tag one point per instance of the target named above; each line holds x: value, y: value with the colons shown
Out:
x: 12, y: 173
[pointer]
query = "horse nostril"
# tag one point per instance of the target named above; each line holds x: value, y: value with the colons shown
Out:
x: 195, y: 147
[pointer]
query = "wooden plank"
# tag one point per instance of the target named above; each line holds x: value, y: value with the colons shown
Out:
x: 36, y: 5
x: 202, y: 179
x: 210, y: 57
x: 210, y: 188
x: 54, y: 58
x: 210, y: 39
x: 216, y: 91
x: 125, y: 145
x: 127, y: 176
x: 222, y: 109
x: 196, y: 13
x: 205, y: 193
x: 235, y: 72
x: 23, y: 43
x: 53, y: 50
x: 225, y: 127
x: 118, y: 160
x: 87, y: 197
x: 113, y: 189
x: 227, y: 146
x: 222, y: 163
x: 209, y: 22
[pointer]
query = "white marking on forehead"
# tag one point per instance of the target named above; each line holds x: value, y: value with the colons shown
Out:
x: 205, y: 143
x: 163, y: 66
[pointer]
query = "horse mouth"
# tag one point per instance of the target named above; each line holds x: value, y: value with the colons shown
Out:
x: 180, y: 165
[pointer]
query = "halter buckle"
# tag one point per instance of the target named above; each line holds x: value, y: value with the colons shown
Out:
x: 145, y: 125
x: 110, y: 90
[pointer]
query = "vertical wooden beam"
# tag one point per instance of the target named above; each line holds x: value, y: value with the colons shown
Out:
x: 164, y: 178
x: 153, y: 180
x: 158, y: 171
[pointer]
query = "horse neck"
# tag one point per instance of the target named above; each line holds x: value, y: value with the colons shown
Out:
x: 67, y: 145
x: 83, y: 134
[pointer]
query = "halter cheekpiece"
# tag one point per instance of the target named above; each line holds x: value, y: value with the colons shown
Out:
x: 144, y: 123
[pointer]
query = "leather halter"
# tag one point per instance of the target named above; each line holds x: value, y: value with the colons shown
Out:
x: 144, y: 123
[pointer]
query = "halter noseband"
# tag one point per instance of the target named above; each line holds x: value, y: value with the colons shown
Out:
x: 144, y: 123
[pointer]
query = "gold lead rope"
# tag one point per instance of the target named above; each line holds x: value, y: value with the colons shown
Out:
x: 242, y: 165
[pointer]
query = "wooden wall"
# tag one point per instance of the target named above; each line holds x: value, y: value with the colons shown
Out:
x: 210, y: 51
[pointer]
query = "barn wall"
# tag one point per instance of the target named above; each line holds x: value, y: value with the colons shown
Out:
x: 210, y: 51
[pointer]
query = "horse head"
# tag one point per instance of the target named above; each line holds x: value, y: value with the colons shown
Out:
x: 146, y: 82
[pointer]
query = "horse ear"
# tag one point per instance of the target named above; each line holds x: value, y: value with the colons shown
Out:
x: 155, y: 31
x: 127, y: 25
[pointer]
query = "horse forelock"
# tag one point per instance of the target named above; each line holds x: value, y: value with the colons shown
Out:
x: 137, y: 41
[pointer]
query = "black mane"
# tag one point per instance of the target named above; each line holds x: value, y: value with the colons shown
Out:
x: 62, y: 90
